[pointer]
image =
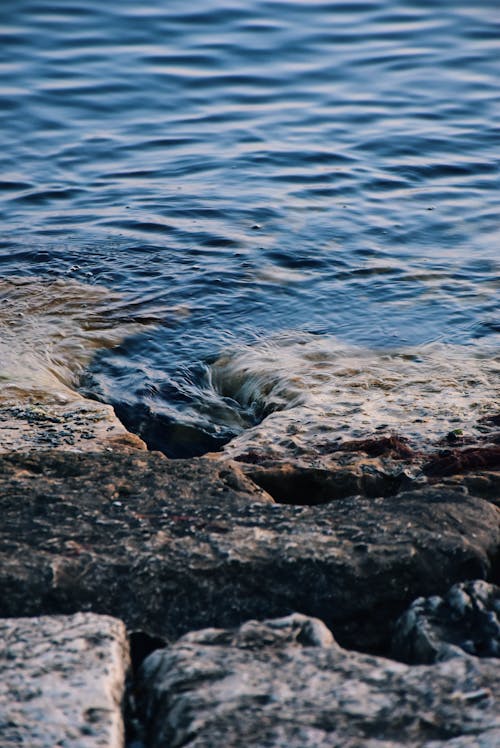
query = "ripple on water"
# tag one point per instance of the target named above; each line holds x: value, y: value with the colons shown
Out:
x: 323, y: 167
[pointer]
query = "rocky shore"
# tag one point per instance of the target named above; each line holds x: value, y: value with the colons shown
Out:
x: 341, y: 599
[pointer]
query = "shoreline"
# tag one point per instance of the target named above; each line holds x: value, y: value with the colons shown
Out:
x: 175, y: 563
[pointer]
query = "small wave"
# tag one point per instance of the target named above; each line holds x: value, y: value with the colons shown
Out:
x: 304, y: 391
x: 49, y: 331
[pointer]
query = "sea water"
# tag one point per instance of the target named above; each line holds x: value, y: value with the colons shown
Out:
x: 253, y: 223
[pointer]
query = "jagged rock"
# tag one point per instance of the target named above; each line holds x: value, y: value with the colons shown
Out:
x: 171, y: 546
x: 455, y: 461
x: 62, y: 681
x: 466, y: 619
x: 252, y: 687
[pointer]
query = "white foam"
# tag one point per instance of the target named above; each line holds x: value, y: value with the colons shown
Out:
x: 310, y: 390
x: 49, y: 331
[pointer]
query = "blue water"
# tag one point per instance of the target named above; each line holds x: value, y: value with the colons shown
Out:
x: 241, y: 168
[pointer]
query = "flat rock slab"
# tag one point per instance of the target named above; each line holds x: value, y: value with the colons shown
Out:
x: 82, y: 425
x: 265, y: 685
x: 173, y: 546
x: 62, y: 680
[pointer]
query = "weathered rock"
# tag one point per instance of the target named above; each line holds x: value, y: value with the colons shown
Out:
x: 308, y: 485
x: 259, y: 685
x: 456, y: 461
x: 466, y: 619
x: 81, y: 424
x: 62, y: 680
x: 171, y: 546
x: 484, y: 483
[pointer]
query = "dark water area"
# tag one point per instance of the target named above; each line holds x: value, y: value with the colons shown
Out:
x: 242, y: 169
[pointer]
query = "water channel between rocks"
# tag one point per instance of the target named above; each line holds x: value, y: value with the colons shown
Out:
x: 288, y: 396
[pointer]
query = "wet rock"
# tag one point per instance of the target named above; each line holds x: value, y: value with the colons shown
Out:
x: 290, y: 483
x: 466, y: 619
x: 492, y: 420
x: 213, y: 688
x: 80, y: 425
x: 395, y: 446
x: 450, y: 462
x: 62, y: 680
x: 172, y: 546
x: 49, y: 332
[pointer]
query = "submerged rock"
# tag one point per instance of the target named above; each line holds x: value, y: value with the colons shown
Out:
x: 466, y: 619
x: 213, y: 688
x: 62, y: 680
x: 171, y: 546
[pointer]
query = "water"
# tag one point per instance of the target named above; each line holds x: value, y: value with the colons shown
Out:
x: 262, y: 181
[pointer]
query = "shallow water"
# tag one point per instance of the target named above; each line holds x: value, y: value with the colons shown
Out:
x: 253, y: 174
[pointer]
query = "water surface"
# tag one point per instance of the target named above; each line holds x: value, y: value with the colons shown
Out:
x: 254, y: 173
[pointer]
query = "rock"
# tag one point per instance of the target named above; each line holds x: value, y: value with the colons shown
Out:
x: 172, y: 546
x: 62, y: 681
x: 466, y: 619
x: 455, y: 461
x: 213, y: 688
x: 290, y: 483
x: 81, y: 424
x: 394, y: 446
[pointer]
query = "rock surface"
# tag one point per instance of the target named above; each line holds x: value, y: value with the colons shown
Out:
x: 172, y: 546
x: 62, y: 680
x: 260, y: 685
x: 379, y: 466
x: 466, y: 619
x: 82, y: 425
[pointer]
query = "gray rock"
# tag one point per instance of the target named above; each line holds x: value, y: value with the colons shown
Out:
x: 62, y: 680
x: 224, y: 688
x: 81, y: 425
x: 172, y: 546
x: 466, y: 619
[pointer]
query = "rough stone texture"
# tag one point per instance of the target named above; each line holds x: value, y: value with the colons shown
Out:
x: 466, y: 619
x: 82, y: 425
x: 172, y: 546
x: 378, y: 466
x: 62, y: 681
x: 260, y: 686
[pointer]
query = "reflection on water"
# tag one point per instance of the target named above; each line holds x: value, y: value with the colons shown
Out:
x: 243, y: 168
